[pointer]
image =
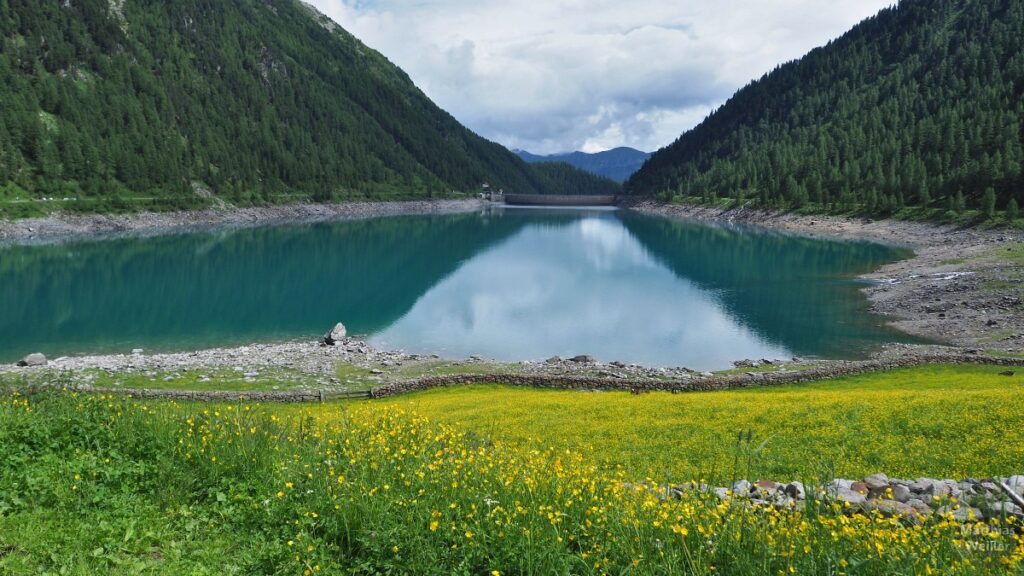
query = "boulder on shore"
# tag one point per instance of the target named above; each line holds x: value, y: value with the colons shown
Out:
x: 35, y: 359
x: 335, y: 335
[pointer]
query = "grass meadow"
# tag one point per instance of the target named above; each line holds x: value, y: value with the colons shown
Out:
x: 487, y: 480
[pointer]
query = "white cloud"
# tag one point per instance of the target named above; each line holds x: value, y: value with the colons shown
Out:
x: 559, y: 75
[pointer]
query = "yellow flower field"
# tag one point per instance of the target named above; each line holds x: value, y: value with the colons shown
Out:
x: 92, y: 484
x: 939, y: 421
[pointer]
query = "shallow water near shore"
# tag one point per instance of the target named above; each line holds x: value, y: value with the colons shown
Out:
x: 508, y: 284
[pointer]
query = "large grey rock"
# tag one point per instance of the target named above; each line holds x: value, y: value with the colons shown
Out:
x: 999, y: 509
x: 852, y: 497
x: 948, y: 489
x: 741, y: 487
x: 796, y: 490
x: 837, y: 484
x: 962, y: 513
x: 335, y: 335
x: 582, y: 359
x: 35, y: 359
x: 901, y: 493
x: 877, y: 482
x: 894, y: 508
x: 1016, y: 483
x: 919, y: 506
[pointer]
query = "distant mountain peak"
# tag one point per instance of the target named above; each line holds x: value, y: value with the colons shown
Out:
x: 617, y: 164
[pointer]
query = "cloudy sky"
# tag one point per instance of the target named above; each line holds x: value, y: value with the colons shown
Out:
x: 559, y: 75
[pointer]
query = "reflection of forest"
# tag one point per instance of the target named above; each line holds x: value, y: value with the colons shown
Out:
x: 788, y: 289
x: 234, y: 286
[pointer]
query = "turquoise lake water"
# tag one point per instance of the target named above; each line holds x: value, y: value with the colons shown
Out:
x: 508, y: 284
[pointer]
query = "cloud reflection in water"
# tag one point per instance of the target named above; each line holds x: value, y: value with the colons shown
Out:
x: 600, y: 293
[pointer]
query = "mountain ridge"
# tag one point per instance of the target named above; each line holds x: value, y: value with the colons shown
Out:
x: 920, y: 105
x: 258, y: 101
x: 618, y: 164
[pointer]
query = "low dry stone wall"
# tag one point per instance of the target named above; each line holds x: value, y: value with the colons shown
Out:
x: 963, y: 501
x: 710, y: 383
x: 634, y: 385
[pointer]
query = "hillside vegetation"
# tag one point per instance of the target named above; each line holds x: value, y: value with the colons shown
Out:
x: 161, y: 102
x: 921, y: 105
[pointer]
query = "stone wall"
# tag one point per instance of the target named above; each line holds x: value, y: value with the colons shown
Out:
x: 731, y: 382
x: 636, y: 386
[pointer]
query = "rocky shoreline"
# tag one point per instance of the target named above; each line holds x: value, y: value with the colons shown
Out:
x: 315, y: 365
x: 964, y: 287
x: 60, y: 227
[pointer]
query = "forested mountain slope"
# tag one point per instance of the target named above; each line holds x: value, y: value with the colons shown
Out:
x: 922, y: 104
x: 252, y: 99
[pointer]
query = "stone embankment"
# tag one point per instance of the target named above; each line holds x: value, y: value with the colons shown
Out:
x: 701, y: 384
x: 915, y: 500
x: 59, y: 227
x: 568, y: 382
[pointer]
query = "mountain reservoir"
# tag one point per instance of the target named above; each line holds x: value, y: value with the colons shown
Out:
x: 509, y: 283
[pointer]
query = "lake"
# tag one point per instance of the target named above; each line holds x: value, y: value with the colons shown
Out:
x: 507, y: 283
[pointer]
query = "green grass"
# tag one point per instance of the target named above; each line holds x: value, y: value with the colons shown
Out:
x: 108, y: 485
x: 1013, y: 254
x: 357, y: 377
x: 948, y: 421
x: 774, y: 367
x: 205, y: 379
x: 128, y: 536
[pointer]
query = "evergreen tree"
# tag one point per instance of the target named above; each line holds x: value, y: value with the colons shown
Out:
x: 989, y: 203
x: 1012, y: 210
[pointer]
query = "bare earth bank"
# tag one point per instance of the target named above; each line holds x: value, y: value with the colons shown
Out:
x: 59, y: 227
x: 964, y: 286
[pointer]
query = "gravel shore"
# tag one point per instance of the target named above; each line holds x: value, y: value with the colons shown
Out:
x: 964, y: 287
x: 60, y: 227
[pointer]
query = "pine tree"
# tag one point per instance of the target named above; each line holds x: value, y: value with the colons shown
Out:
x: 989, y: 203
x: 1012, y: 210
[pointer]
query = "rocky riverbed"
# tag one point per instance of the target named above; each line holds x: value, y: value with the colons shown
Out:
x: 964, y: 287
